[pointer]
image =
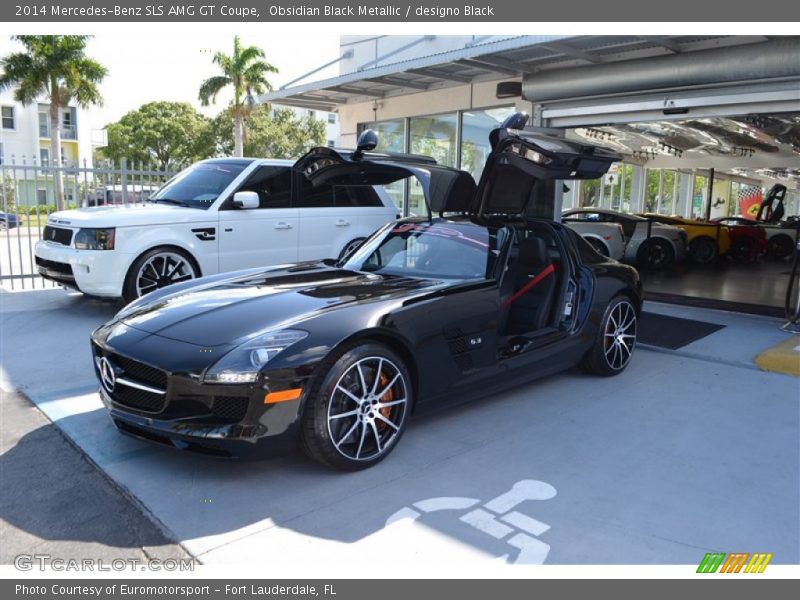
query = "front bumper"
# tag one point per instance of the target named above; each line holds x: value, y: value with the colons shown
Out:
x: 93, y: 272
x: 175, y: 410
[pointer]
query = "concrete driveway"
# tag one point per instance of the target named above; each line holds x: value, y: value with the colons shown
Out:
x: 686, y: 452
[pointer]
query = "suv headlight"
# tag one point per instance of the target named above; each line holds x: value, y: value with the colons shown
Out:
x: 243, y: 363
x: 95, y: 239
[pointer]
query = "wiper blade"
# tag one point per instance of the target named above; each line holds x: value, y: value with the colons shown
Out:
x: 171, y: 201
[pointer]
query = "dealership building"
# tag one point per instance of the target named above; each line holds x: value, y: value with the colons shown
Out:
x: 706, y: 124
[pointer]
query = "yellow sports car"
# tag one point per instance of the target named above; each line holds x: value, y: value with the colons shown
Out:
x: 706, y: 240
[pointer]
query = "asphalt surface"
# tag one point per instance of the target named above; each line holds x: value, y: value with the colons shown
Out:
x: 686, y: 452
x: 54, y: 501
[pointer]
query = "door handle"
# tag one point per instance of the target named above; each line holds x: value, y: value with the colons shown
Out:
x: 282, y: 225
x: 342, y: 223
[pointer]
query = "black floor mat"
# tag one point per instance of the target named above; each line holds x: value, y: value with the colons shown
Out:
x: 672, y: 332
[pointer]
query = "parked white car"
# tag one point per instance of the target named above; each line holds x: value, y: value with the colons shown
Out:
x: 217, y: 215
x: 607, y: 238
x: 647, y: 244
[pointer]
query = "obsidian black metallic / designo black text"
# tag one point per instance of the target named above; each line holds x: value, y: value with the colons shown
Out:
x: 470, y: 300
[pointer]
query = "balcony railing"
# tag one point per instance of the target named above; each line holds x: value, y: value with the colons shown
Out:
x: 68, y: 132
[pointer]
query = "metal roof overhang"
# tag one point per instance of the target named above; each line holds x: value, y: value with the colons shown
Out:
x: 485, y: 60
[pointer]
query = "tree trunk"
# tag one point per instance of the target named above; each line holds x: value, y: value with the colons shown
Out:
x: 238, y: 134
x: 55, y: 154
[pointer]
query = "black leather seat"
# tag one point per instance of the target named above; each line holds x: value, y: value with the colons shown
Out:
x: 529, y: 310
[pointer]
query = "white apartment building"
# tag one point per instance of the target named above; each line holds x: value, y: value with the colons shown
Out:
x: 25, y: 142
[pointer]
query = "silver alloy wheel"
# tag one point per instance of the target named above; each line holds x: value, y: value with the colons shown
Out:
x: 163, y: 269
x: 620, y: 335
x: 367, y: 408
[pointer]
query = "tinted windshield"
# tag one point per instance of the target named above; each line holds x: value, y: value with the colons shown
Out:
x: 443, y: 250
x: 199, y: 185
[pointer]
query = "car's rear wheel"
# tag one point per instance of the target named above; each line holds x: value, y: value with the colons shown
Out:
x: 156, y: 269
x: 655, y: 254
x: 350, y: 247
x: 742, y: 249
x: 703, y: 250
x: 779, y: 247
x: 358, y: 409
x: 615, y: 341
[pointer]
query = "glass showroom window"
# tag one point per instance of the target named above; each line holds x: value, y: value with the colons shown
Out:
x: 433, y: 136
x: 391, y: 138
x: 475, y: 128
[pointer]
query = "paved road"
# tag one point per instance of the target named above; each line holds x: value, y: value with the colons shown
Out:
x: 54, y: 501
x: 684, y: 453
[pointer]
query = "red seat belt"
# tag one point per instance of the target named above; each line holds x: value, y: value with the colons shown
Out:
x: 548, y: 270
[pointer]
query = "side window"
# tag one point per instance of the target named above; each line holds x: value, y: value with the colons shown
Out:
x: 309, y: 196
x: 273, y: 186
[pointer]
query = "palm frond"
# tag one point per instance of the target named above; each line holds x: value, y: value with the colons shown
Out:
x: 211, y: 87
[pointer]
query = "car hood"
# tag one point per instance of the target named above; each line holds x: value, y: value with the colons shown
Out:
x: 127, y: 216
x: 235, y: 308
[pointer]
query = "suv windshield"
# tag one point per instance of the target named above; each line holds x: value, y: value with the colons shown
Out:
x: 199, y: 185
x: 443, y: 250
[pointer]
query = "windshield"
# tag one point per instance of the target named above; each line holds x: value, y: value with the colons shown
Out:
x: 199, y: 185
x: 443, y: 250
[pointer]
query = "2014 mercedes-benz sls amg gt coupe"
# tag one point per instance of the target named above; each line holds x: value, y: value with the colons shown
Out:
x: 472, y: 299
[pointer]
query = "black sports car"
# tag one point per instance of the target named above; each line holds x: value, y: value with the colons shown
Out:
x: 471, y: 299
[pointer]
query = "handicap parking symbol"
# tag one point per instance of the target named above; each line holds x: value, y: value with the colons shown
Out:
x: 497, y: 518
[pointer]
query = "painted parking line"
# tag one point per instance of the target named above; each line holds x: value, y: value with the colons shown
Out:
x: 782, y: 358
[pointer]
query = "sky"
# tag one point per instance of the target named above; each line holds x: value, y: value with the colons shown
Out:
x: 144, y: 67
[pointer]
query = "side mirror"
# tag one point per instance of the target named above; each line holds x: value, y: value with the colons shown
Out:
x: 245, y: 200
x: 516, y: 120
x: 367, y: 141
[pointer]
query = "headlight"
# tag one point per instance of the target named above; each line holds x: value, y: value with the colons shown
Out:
x: 95, y: 239
x: 243, y: 363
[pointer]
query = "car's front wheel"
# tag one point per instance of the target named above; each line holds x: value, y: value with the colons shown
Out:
x: 655, y: 253
x: 358, y: 408
x: 156, y: 269
x: 703, y: 250
x: 616, y: 338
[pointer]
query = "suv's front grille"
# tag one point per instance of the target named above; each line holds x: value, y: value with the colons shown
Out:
x: 59, y: 235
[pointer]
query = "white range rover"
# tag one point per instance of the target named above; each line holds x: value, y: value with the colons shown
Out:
x: 217, y: 215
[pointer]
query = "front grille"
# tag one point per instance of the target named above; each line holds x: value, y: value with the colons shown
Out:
x: 140, y: 399
x: 230, y: 407
x: 139, y: 372
x: 135, y: 371
x: 55, y: 267
x: 58, y: 235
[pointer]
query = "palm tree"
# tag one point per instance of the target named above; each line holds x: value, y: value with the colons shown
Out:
x: 246, y: 70
x: 53, y: 67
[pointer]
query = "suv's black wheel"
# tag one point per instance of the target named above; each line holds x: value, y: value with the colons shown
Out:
x: 703, y: 250
x: 779, y: 247
x: 655, y: 254
x: 357, y: 409
x: 158, y: 268
x: 350, y: 247
x: 615, y: 341
x: 743, y: 248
